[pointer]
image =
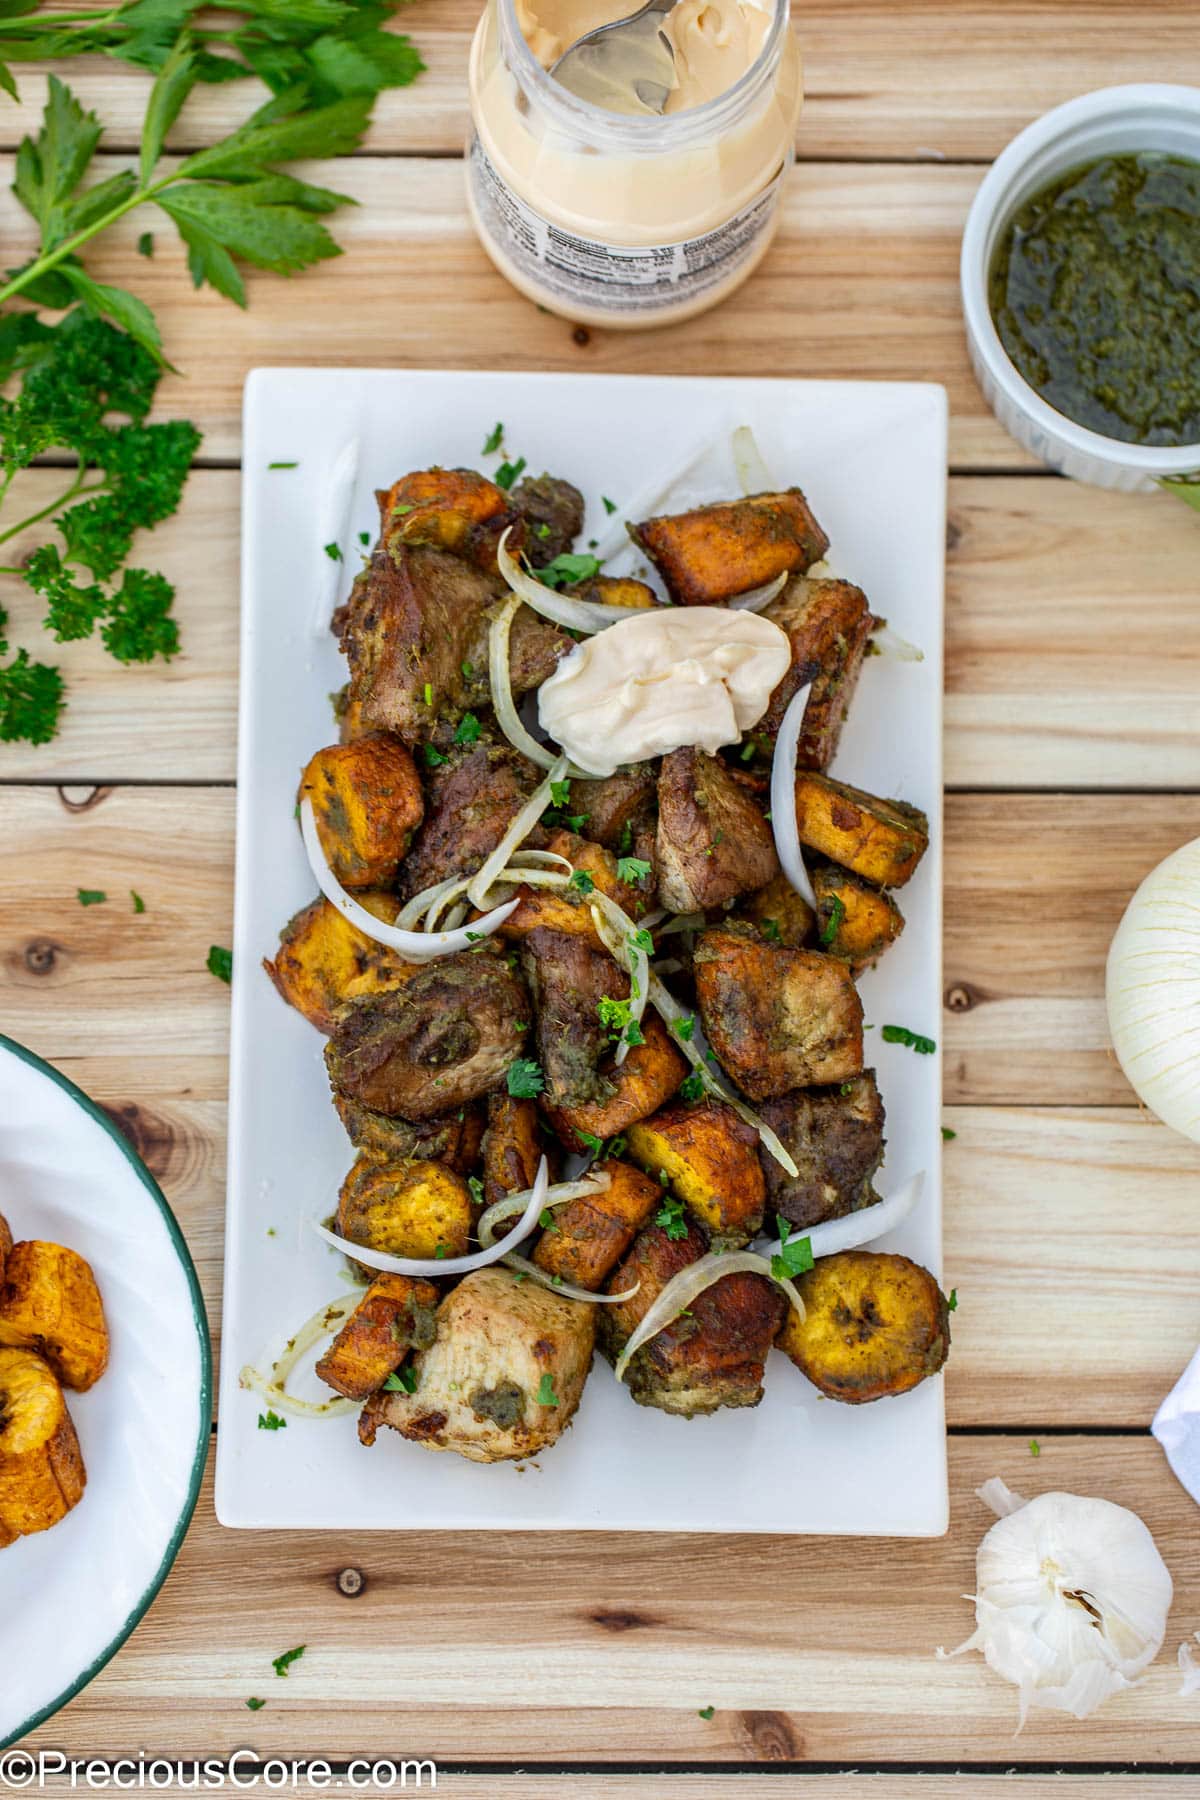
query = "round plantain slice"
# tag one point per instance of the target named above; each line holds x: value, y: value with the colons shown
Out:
x: 41, y: 1469
x: 875, y: 1325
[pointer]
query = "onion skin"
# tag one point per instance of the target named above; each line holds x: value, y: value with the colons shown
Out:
x: 1152, y: 990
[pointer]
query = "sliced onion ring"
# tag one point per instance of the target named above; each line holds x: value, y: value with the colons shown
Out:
x: 523, y: 1266
x: 517, y: 832
x: 413, y: 946
x: 890, y: 643
x: 576, y: 615
x: 273, y: 1387
x: 508, y: 718
x: 752, y: 470
x: 447, y: 1265
x: 783, y: 797
x: 683, y: 1288
x: 616, y: 932
x: 864, y: 1226
x: 758, y: 597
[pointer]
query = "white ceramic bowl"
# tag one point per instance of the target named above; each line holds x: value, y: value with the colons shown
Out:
x: 1112, y: 121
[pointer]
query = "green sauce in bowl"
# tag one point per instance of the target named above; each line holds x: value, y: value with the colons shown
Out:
x: 1095, y: 293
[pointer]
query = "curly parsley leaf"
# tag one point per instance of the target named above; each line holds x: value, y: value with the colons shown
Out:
x: 525, y: 1079
x: 670, y: 1216
x: 31, y: 700
x: 791, y: 1259
x: 281, y: 1664
x: 900, y: 1034
x: 568, y: 569
x: 632, y: 869
x: 833, y: 924
x: 546, y: 1395
x: 220, y: 962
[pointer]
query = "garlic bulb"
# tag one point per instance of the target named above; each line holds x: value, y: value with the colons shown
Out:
x: 1189, y: 1668
x: 1071, y: 1599
x: 1153, y: 991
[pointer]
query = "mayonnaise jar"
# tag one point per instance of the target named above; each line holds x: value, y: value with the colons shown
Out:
x: 625, y: 220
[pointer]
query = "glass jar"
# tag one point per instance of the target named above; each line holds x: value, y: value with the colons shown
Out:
x: 624, y: 220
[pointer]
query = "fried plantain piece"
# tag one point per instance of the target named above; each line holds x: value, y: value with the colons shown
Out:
x: 875, y: 1325
x: 41, y: 1468
x: 713, y: 842
x: 454, y: 1139
x: 502, y: 1378
x: 396, y: 1314
x: 470, y: 801
x: 649, y: 1076
x: 855, y: 921
x: 614, y: 590
x: 711, y: 1359
x: 835, y: 1136
x: 776, y: 1018
x: 715, y: 552
x: 781, y: 914
x: 50, y: 1303
x: 512, y: 1147
x: 447, y: 1036
x: 709, y: 1157
x: 406, y: 1208
x: 828, y: 624
x: 881, y: 840
x: 323, y: 960
x: 567, y: 909
x: 552, y: 513
x: 591, y: 1234
x: 457, y: 510
x: 367, y: 802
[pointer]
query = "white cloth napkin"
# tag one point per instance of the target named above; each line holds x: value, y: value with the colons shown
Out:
x: 1176, y: 1425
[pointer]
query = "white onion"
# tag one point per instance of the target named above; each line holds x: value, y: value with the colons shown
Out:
x: 752, y: 471
x: 522, y: 1266
x: 863, y: 1226
x: 517, y: 832
x: 1153, y: 991
x: 758, y: 597
x: 616, y: 932
x: 413, y: 946
x: 890, y: 643
x: 683, y: 1288
x: 576, y: 615
x: 447, y: 1265
x: 783, y: 797
x: 273, y: 1387
x: 507, y: 716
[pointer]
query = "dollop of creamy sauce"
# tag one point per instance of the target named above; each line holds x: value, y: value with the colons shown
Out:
x: 715, y: 42
x: 663, y: 680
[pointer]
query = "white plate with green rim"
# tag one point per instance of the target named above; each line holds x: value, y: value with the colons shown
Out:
x: 69, y: 1597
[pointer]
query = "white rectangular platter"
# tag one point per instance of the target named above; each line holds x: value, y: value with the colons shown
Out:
x: 871, y: 458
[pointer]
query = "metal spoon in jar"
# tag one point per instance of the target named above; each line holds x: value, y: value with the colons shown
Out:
x: 627, y: 66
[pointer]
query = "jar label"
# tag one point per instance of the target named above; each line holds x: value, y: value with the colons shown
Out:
x: 614, y: 277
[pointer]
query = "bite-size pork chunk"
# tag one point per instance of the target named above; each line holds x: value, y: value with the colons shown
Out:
x: 713, y: 842
x: 835, y: 1136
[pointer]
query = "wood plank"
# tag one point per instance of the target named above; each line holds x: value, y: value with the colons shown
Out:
x: 604, y: 1648
x: 534, y: 1784
x: 1047, y: 682
x: 942, y: 78
x: 861, y: 282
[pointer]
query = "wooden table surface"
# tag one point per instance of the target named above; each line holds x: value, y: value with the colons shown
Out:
x: 1073, y: 766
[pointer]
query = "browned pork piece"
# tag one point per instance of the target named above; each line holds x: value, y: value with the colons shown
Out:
x: 710, y: 1158
x: 828, y: 624
x: 470, y: 801
x: 408, y: 1208
x: 881, y: 840
x: 552, y: 511
x: 776, y: 1018
x: 854, y: 920
x: 447, y: 1036
x: 568, y: 979
x: 713, y: 842
x: 367, y: 802
x: 454, y: 1139
x: 503, y: 1376
x: 835, y: 1135
x: 617, y: 810
x: 457, y: 510
x: 512, y: 1147
x: 712, y: 1359
x: 395, y: 1315
x: 590, y: 1234
x: 323, y: 960
x: 715, y: 552
x: 647, y: 1078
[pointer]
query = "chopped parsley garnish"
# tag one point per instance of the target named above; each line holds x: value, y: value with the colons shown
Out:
x: 543, y: 530
x: 560, y: 791
x: 493, y: 440
x: 427, y: 693
x: 468, y: 671
x: 401, y: 510
x: 791, y: 1259
x: 900, y: 1034
x: 255, y: 1705
x: 582, y: 880
x: 401, y: 1381
x: 139, y: 905
x: 220, y: 962
x: 271, y: 1421
x: 145, y: 244
x: 616, y: 1147
x: 509, y: 472
x: 590, y: 1142
x: 569, y: 569
x: 1035, y: 1449
x: 525, y: 1079
x: 476, y: 1187
x: 546, y: 1395
x: 706, y: 1712
x: 692, y: 1088
x: 364, y: 538
x: 615, y: 1017
x: 333, y: 552
x: 632, y: 869
x: 670, y: 1216
x: 642, y: 940
x: 433, y: 757
x: 833, y: 924
x: 625, y: 842
x: 440, y: 1252
x: 952, y: 1302
x: 770, y: 930
x: 948, y: 1135
x: 546, y: 1220
x: 683, y: 1028
x: 610, y: 506
x: 283, y: 465
x: 634, y: 1035
x: 281, y: 1664
x: 91, y: 896
x: 468, y: 729
x: 747, y: 750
